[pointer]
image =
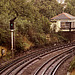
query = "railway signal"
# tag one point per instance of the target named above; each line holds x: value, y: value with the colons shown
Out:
x: 11, y: 25
x: 12, y: 35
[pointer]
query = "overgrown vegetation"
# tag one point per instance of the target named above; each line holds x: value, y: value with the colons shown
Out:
x: 72, y: 65
x: 70, y: 7
x: 33, y: 21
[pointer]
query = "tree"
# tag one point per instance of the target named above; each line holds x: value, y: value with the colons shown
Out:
x: 33, y: 20
x: 70, y: 7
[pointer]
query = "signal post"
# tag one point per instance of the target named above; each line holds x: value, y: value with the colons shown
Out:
x: 12, y: 36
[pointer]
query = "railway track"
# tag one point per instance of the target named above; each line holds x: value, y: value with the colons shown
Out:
x: 50, y: 67
x: 25, y: 60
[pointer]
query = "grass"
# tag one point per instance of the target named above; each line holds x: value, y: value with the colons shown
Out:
x: 72, y: 65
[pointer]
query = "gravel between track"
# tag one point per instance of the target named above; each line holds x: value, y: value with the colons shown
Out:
x: 64, y: 67
x: 30, y: 70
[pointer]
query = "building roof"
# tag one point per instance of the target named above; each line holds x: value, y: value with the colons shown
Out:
x: 63, y: 16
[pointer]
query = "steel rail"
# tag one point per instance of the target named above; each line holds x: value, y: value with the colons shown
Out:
x: 19, y: 59
x: 36, y: 73
x: 22, y: 58
x: 25, y: 66
x: 30, y: 63
x: 32, y: 57
x: 61, y: 62
x: 52, y: 70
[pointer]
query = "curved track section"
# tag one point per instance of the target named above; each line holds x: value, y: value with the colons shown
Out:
x: 16, y: 66
x: 50, y: 67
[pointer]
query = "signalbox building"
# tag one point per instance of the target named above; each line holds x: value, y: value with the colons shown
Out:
x: 63, y: 22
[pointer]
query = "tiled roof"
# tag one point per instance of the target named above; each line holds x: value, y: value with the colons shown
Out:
x: 63, y: 16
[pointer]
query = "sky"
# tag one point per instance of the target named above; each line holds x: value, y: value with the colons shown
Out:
x: 61, y: 1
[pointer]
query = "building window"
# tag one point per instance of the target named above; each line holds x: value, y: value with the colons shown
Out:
x: 73, y: 25
x: 65, y: 25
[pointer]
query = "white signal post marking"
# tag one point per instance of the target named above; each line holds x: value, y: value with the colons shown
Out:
x: 12, y: 42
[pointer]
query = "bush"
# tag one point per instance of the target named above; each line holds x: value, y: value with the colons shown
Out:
x: 4, y: 37
x: 72, y: 65
x: 19, y: 44
x: 39, y: 39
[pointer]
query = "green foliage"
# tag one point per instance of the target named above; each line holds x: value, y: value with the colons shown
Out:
x: 61, y: 38
x: 39, y: 39
x: 70, y: 7
x: 19, y: 44
x: 72, y: 65
x: 33, y: 20
x: 49, y: 8
x: 4, y: 37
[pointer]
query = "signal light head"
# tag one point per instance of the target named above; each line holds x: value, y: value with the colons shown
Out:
x: 11, y: 25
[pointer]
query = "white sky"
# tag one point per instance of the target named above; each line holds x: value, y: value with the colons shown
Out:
x: 61, y: 1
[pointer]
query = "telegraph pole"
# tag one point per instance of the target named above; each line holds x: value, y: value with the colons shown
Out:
x: 12, y: 36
